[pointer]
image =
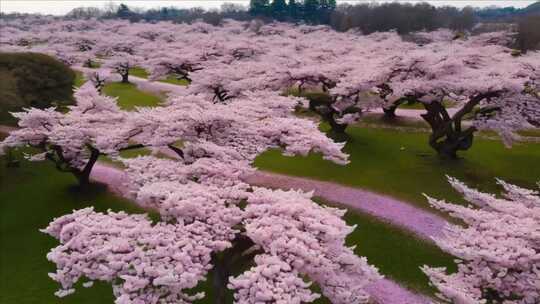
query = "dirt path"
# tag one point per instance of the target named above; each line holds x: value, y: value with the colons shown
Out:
x: 156, y: 87
x: 412, y: 113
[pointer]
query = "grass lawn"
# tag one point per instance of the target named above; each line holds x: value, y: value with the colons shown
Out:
x: 402, y: 165
x: 414, y: 106
x: 138, y: 72
x: 142, y: 73
x: 95, y: 64
x: 173, y: 80
x: 420, y: 106
x: 125, y: 154
x: 129, y: 96
x: 31, y: 196
x: 79, y: 78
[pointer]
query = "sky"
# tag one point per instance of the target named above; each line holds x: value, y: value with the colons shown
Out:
x: 60, y: 7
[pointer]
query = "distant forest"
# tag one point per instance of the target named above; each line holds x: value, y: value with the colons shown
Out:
x: 366, y: 17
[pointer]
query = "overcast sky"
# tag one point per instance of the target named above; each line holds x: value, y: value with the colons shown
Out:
x: 58, y: 7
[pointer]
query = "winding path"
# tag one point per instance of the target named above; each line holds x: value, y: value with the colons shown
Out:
x: 422, y: 223
x: 154, y: 87
x: 412, y: 113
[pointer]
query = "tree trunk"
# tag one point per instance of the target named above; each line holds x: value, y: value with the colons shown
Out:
x: 220, y: 279
x: 336, y: 127
x: 301, y: 88
x: 337, y: 130
x: 231, y: 262
x: 452, y: 143
x: 390, y: 112
x: 88, y: 63
x: 83, y: 180
x: 83, y: 176
x: 447, y: 137
x: 125, y: 77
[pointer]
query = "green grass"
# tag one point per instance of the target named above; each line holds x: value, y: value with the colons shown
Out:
x: 142, y: 73
x: 125, y: 154
x: 420, y: 106
x: 530, y: 133
x: 402, y: 165
x: 173, y: 80
x: 95, y: 64
x: 129, y: 96
x: 138, y: 72
x: 31, y: 196
x: 79, y: 79
x: 375, y: 120
x: 411, y: 106
x: 396, y: 253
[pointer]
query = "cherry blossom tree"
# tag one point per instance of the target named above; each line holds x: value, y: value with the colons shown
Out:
x: 73, y: 141
x: 494, y: 89
x: 258, y: 242
x: 121, y: 64
x: 98, y: 78
x: 166, y: 63
x: 497, y: 247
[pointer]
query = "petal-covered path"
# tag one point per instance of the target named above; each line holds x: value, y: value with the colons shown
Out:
x: 423, y: 223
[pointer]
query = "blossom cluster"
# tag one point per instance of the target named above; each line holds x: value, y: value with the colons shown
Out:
x: 498, y: 247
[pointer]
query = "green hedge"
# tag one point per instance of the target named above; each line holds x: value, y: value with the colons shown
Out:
x: 33, y: 80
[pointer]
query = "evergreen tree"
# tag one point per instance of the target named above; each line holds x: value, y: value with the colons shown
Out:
x: 294, y: 9
x: 279, y: 9
x: 259, y: 7
x: 123, y: 11
x: 326, y: 7
x: 311, y: 10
